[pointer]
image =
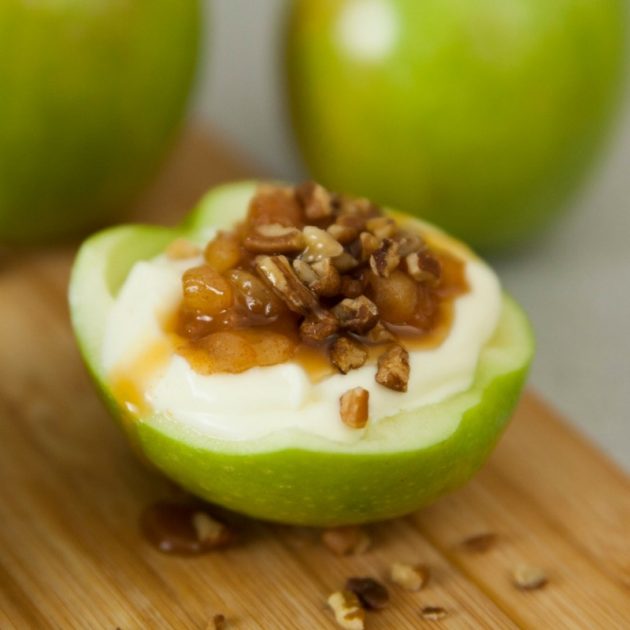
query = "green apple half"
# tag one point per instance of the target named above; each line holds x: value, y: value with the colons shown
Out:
x: 402, y: 463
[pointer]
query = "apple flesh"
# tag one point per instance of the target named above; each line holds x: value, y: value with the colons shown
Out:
x: 91, y: 92
x: 401, y: 464
x: 479, y: 115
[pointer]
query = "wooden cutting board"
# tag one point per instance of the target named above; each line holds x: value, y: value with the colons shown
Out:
x: 71, y: 555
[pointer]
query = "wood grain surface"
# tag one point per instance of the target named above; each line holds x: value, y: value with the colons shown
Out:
x: 71, y: 555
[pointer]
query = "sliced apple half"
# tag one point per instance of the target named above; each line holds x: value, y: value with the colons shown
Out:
x: 401, y: 463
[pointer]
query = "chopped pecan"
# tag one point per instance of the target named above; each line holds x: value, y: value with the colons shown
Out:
x: 369, y: 244
x: 345, y: 262
x: 218, y: 622
x: 528, y: 578
x: 385, y: 259
x: 371, y: 593
x: 424, y: 267
x: 351, y: 287
x: 410, y: 577
x: 275, y: 204
x: 328, y: 282
x: 343, y: 233
x: 304, y: 271
x: 319, y: 244
x: 274, y: 238
x: 433, y: 613
x: 353, y: 407
x: 347, y: 610
x: 210, y: 532
x: 393, y: 369
x: 408, y: 243
x: 318, y: 327
x: 379, y: 334
x: 359, y: 206
x: 346, y: 354
x: 315, y: 200
x: 277, y: 272
x: 356, y: 314
x: 381, y: 227
x: 348, y: 540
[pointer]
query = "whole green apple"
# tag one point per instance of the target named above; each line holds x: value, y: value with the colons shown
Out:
x: 401, y: 464
x: 480, y: 115
x: 90, y: 94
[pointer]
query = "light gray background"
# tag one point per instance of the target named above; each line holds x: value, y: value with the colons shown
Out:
x: 574, y: 281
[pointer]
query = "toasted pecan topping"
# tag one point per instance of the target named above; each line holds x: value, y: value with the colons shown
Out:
x: 307, y: 267
x: 393, y: 369
x: 353, y: 407
x: 318, y: 328
x: 274, y: 238
x: 356, y: 314
x: 315, y: 200
x: 433, y: 613
x: 385, y: 259
x: 423, y: 267
x: 278, y: 273
x: 346, y: 354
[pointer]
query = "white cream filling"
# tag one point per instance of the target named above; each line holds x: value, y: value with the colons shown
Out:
x: 264, y: 400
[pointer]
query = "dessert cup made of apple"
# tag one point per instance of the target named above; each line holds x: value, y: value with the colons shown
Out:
x: 301, y: 356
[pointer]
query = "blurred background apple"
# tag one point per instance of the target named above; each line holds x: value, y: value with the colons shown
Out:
x: 90, y: 94
x: 481, y: 115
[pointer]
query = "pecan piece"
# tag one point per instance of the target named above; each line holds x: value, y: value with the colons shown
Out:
x: 393, y: 369
x: 381, y: 227
x: 328, y: 282
x: 345, y: 262
x: 379, y: 334
x: 408, y: 243
x: 353, y: 407
x: 343, y: 233
x: 385, y: 259
x: 319, y: 244
x: 277, y: 272
x: 433, y: 613
x: 347, y: 610
x: 351, y: 287
x: 356, y: 314
x: 424, y: 267
x: 348, y: 540
x: 528, y: 578
x: 371, y: 593
x: 274, y: 238
x: 346, y: 354
x: 369, y: 244
x: 315, y: 200
x: 410, y: 577
x: 318, y: 327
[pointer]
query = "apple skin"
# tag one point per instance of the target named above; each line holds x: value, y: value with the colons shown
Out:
x: 92, y: 92
x: 477, y: 115
x: 303, y: 481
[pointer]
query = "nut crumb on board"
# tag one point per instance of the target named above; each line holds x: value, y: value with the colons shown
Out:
x: 345, y: 541
x: 347, y: 610
x: 410, y: 577
x: 433, y: 613
x: 479, y: 543
x: 529, y: 578
x: 371, y: 593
